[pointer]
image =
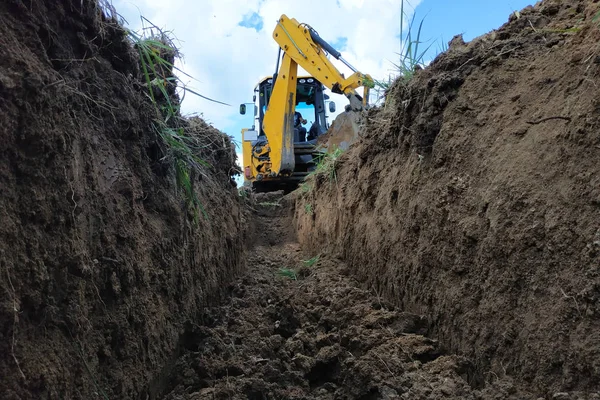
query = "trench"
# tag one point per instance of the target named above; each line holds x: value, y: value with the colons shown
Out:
x: 297, y: 325
x: 493, y: 235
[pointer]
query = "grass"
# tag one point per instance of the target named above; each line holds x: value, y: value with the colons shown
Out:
x: 383, y: 86
x: 308, y: 209
x: 243, y: 193
x: 442, y: 47
x: 288, y: 273
x: 153, y: 44
x: 327, y: 164
x: 312, y: 261
x: 305, y: 187
x: 158, y: 53
x: 412, y: 55
x: 292, y: 274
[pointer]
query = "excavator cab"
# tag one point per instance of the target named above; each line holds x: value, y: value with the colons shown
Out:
x: 311, y: 105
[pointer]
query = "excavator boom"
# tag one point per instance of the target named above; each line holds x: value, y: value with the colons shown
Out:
x: 304, y: 45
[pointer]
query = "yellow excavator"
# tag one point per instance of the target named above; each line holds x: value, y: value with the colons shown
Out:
x: 279, y: 152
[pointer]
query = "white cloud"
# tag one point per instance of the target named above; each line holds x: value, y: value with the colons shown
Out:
x: 229, y: 59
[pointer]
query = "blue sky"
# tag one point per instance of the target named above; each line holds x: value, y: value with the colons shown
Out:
x: 252, y: 20
x: 444, y: 19
x: 227, y: 44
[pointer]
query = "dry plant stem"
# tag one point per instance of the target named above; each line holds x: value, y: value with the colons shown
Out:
x: 385, y: 364
x: 465, y: 63
x: 15, y: 322
x: 574, y: 299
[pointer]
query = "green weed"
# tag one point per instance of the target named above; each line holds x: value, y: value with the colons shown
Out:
x: 288, y: 273
x: 158, y: 53
x: 305, y: 187
x: 308, y: 209
x: 412, y: 55
x: 243, y: 192
x: 269, y: 204
x: 442, y: 47
x: 574, y: 29
x: 383, y: 86
x: 327, y: 164
x: 312, y: 261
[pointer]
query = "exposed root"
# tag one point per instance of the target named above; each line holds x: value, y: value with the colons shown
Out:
x: 15, y: 323
x: 548, y: 119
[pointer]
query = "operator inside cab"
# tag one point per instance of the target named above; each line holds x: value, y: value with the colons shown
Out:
x: 298, y: 122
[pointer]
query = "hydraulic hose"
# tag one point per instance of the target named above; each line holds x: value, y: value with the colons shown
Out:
x: 321, y: 42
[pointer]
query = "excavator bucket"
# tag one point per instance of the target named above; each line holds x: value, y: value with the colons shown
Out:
x: 342, y: 133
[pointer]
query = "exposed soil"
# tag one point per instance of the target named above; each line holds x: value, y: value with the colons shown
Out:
x: 473, y: 198
x: 315, y: 335
x: 458, y: 245
x: 100, y: 263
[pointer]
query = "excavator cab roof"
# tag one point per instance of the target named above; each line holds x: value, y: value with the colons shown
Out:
x: 304, y: 93
x: 269, y: 79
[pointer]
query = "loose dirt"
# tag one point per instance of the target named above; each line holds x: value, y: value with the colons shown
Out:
x: 313, y: 333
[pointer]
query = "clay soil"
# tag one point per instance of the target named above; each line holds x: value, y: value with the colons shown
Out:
x: 314, y: 334
x: 101, y: 264
x: 473, y: 198
x: 455, y: 255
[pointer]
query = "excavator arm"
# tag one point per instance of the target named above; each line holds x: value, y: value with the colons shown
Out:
x: 301, y: 45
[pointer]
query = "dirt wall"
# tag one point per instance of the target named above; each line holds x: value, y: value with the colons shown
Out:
x: 473, y: 198
x: 101, y: 266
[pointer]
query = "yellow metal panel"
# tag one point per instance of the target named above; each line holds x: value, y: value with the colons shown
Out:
x: 278, y: 122
x: 248, y: 168
x: 294, y: 38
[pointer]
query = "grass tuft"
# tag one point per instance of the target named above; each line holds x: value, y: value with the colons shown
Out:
x: 157, y: 53
x: 312, y: 261
x: 305, y: 187
x: 412, y: 55
x: 288, y: 273
x: 308, y: 209
x: 327, y: 164
x: 270, y: 204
